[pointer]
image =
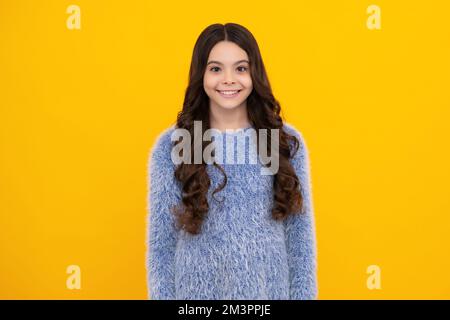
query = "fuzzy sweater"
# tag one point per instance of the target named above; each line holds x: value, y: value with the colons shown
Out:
x: 241, y: 252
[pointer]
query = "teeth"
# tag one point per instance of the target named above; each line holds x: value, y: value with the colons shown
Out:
x: 229, y: 92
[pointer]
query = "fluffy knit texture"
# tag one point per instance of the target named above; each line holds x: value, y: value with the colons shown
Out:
x: 242, y: 252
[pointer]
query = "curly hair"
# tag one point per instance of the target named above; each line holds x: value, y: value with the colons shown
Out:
x: 263, y: 112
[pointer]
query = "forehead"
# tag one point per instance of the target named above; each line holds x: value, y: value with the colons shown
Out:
x: 227, y: 52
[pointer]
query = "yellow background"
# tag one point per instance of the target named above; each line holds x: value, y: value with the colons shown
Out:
x: 80, y: 109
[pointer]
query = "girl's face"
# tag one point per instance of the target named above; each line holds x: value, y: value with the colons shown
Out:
x: 227, y: 80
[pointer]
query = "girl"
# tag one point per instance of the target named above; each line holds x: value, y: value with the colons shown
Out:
x: 257, y: 240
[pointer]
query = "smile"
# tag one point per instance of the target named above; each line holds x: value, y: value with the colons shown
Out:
x: 229, y: 93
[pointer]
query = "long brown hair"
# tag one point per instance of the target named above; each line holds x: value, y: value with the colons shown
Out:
x: 263, y: 113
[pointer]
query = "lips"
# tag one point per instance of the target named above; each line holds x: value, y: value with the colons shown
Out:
x: 229, y: 93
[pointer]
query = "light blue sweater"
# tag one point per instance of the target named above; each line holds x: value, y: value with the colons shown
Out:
x: 241, y: 252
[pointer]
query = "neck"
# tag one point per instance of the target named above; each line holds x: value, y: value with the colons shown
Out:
x: 222, y: 118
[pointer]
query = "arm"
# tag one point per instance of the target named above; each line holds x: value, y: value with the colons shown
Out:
x: 161, y: 233
x: 300, y: 233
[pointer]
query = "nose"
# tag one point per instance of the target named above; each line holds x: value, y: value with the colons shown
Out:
x: 228, y: 82
x: 229, y: 78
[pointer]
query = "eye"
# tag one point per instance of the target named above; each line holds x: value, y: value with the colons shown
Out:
x: 244, y: 68
x: 213, y: 68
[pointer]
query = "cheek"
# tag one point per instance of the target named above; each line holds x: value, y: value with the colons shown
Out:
x: 247, y: 82
x: 209, y: 83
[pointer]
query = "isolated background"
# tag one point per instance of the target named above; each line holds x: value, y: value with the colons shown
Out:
x: 80, y: 110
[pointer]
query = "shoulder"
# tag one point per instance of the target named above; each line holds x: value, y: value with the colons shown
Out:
x: 293, y: 131
x: 300, y: 159
x: 162, y: 143
x: 160, y: 151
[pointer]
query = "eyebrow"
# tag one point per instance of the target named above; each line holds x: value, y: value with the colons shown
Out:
x: 237, y: 62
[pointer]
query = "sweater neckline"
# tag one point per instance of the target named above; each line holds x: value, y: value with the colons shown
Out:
x: 232, y: 132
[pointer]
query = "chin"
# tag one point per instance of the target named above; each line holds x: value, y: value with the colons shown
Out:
x: 229, y: 105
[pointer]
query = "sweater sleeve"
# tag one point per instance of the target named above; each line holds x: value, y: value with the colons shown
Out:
x: 300, y: 232
x: 161, y: 232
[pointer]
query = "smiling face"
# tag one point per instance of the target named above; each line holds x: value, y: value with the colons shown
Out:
x: 227, y: 80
